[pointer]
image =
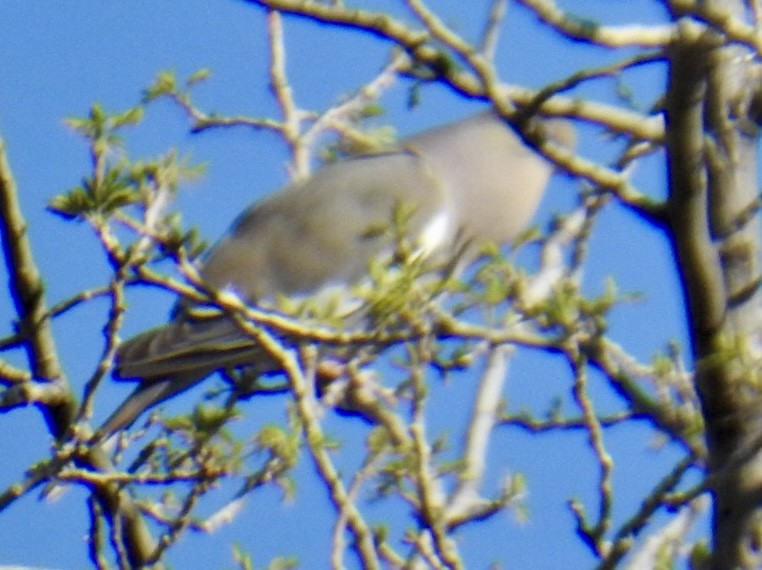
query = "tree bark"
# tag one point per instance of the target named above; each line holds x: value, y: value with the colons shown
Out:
x: 715, y: 232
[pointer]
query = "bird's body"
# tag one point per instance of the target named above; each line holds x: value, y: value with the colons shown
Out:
x: 464, y: 184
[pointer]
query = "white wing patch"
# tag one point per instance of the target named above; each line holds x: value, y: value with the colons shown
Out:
x: 434, y: 234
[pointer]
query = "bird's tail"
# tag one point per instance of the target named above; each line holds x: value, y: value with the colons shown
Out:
x: 145, y: 396
x: 171, y: 359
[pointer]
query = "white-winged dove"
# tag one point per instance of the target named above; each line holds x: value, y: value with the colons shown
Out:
x: 466, y: 183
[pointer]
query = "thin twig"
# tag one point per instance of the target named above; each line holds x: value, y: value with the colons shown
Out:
x: 491, y: 33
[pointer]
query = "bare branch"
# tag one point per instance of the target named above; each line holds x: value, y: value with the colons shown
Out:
x: 27, y: 292
x: 484, y: 416
x: 590, y: 31
x: 491, y: 33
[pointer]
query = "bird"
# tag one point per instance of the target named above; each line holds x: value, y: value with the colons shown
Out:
x: 467, y: 183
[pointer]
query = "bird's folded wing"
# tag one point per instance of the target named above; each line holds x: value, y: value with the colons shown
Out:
x: 328, y: 229
x: 188, y: 346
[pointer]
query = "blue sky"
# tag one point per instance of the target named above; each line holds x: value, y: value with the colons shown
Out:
x: 57, y: 60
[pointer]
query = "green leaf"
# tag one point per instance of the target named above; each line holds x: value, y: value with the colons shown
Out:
x: 284, y: 563
x: 372, y: 110
x: 164, y: 84
x: 72, y: 205
x: 279, y: 442
x: 198, y: 76
x: 97, y: 114
x: 129, y: 117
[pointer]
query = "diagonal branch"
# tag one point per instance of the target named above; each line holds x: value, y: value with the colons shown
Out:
x: 27, y: 290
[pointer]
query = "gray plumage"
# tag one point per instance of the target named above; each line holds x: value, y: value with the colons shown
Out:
x: 466, y: 183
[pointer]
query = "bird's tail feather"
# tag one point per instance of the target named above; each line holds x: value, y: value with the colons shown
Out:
x: 171, y: 359
x: 145, y: 396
